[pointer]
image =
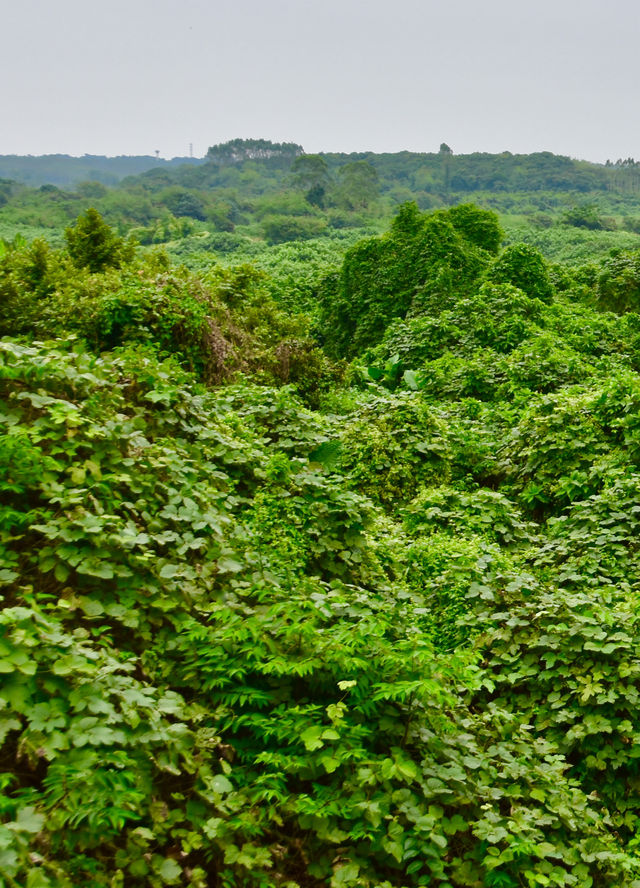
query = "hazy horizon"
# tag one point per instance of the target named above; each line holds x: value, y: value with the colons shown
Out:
x: 356, y: 151
x: 348, y: 76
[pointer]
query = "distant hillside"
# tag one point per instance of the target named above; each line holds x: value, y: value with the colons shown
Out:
x: 437, y: 173
x: 275, y: 192
x: 63, y: 169
x: 443, y: 172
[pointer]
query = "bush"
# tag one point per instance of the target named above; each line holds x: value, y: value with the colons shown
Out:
x: 541, y: 364
x: 481, y: 375
x: 584, y: 216
x: 499, y: 316
x: 93, y: 245
x: 394, y: 444
x: 280, y: 229
x: 618, y: 286
x: 440, y: 571
x: 560, y: 450
x: 480, y: 227
x: 524, y: 267
x: 479, y: 513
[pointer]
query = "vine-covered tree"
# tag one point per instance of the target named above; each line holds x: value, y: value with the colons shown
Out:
x: 94, y: 245
x: 524, y: 267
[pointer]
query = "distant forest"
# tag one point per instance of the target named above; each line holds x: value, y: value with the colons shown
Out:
x: 253, y: 190
x: 65, y: 170
x: 540, y: 171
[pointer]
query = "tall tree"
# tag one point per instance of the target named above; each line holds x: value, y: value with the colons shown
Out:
x: 310, y: 174
x: 94, y: 245
x: 358, y: 185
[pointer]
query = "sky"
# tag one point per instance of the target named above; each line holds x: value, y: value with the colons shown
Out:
x: 139, y: 76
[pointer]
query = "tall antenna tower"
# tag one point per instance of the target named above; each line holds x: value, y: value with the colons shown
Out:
x: 190, y: 149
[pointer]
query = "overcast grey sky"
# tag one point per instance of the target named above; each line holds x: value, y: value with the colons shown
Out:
x: 133, y: 76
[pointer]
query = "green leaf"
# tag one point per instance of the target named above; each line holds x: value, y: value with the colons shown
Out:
x: 94, y: 568
x: 221, y: 784
x: 330, y: 763
x: 169, y: 871
x: 229, y: 565
x: 37, y: 878
x: 7, y: 576
x: 69, y: 664
x: 91, y: 606
x: 312, y: 738
x: 78, y: 475
x: 408, y: 769
x: 27, y: 820
x: 345, y: 874
x: 410, y: 377
x: 169, y: 571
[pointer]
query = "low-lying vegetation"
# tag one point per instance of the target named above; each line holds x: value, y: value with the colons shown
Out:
x: 319, y: 573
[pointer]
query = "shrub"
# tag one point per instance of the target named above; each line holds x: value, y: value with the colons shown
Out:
x: 618, y: 286
x: 280, y: 229
x: 480, y: 227
x: 93, y: 245
x: 524, y: 267
x: 394, y: 444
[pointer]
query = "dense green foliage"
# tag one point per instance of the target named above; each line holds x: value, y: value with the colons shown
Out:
x: 274, y: 193
x: 421, y: 264
x: 93, y: 245
x: 277, y: 620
